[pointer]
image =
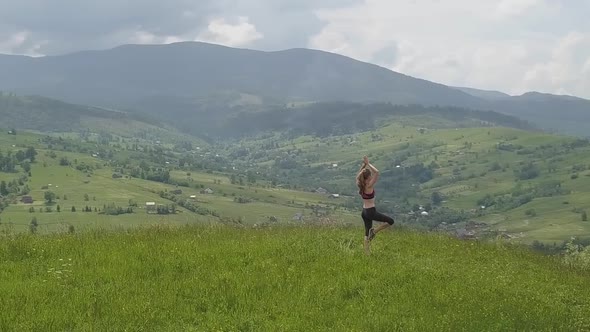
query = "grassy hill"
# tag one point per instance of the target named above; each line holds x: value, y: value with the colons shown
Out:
x: 80, y: 180
x: 199, y: 278
x: 531, y: 185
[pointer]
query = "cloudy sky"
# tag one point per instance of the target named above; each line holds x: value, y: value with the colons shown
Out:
x: 508, y: 45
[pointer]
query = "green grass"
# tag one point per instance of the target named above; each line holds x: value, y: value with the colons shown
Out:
x: 215, y: 278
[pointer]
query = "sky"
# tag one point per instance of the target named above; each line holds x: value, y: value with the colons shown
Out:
x: 513, y: 46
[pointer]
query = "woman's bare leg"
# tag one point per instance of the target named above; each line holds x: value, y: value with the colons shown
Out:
x: 382, y: 227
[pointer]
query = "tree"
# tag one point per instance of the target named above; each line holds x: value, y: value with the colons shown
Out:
x: 64, y: 161
x: 86, y: 197
x: 20, y: 156
x: 73, y: 209
x: 58, y: 208
x: 31, y: 153
x: 26, y: 166
x: 584, y: 216
x: 3, y: 188
x: 33, y: 225
x: 49, y: 196
x: 436, y: 198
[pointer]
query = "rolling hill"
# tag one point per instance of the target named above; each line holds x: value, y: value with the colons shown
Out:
x: 184, y: 78
x: 533, y: 185
x: 51, y: 116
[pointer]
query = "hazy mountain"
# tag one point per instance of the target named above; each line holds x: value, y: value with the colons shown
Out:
x: 563, y: 113
x: 484, y: 94
x: 181, y: 83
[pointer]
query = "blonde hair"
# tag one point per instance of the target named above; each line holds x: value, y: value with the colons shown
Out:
x: 361, y: 179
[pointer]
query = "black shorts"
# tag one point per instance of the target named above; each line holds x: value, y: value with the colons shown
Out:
x: 371, y: 214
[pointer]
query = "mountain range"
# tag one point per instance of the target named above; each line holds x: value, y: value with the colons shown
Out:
x: 191, y: 81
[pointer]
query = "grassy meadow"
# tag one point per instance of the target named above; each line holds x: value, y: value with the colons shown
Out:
x: 72, y: 186
x: 221, y: 278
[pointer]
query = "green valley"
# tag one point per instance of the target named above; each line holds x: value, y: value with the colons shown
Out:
x: 445, y: 169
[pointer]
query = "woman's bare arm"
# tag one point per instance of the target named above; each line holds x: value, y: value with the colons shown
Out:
x: 375, y: 176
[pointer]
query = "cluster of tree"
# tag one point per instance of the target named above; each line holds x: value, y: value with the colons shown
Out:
x: 166, y: 209
x: 521, y: 195
x: 144, y: 171
x: 559, y: 248
x: 187, y: 204
x: 242, y: 200
x: 87, y: 209
x: 112, y: 209
x: 239, y: 179
x: 10, y: 160
x: 15, y: 187
x: 527, y: 171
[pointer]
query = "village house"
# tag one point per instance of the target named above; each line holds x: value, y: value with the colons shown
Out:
x: 151, y: 207
x: 321, y: 190
x: 207, y: 191
x: 27, y: 200
x: 298, y: 216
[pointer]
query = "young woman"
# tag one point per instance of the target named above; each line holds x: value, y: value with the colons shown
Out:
x: 365, y: 180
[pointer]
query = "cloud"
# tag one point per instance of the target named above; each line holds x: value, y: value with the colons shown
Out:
x: 21, y: 43
x: 567, y: 71
x: 240, y: 33
x: 510, y: 45
x: 514, y: 7
x: 66, y: 25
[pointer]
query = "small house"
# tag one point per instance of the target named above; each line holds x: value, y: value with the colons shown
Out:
x: 321, y: 190
x: 207, y: 191
x: 334, y: 196
x: 151, y: 207
x: 27, y: 200
x: 193, y: 196
x: 298, y: 216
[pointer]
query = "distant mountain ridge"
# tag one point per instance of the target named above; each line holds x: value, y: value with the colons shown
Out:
x: 51, y: 115
x: 485, y: 94
x: 177, y: 79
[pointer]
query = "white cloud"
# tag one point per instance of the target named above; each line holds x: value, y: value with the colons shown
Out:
x: 514, y: 7
x: 509, y: 45
x: 20, y: 43
x: 567, y: 71
x: 240, y: 33
x: 218, y: 31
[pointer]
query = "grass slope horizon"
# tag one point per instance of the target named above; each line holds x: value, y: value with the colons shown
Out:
x: 196, y: 278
